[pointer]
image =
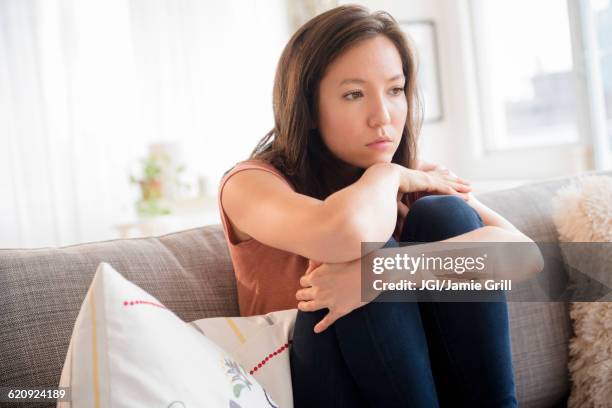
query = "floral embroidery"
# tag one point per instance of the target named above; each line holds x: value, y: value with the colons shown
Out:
x: 239, y: 379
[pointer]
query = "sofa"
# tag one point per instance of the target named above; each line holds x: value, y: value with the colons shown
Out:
x: 41, y: 291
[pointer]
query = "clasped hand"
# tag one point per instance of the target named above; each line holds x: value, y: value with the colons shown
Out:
x: 335, y: 286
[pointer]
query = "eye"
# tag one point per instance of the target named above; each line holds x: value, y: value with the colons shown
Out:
x: 397, y: 91
x: 351, y: 96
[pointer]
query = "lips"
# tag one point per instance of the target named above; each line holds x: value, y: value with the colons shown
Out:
x: 380, y: 140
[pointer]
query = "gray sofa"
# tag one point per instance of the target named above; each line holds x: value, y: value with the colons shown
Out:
x: 191, y: 273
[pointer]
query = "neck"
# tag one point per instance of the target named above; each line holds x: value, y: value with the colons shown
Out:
x: 348, y: 172
x: 344, y: 174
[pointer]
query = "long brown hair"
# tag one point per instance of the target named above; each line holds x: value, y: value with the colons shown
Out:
x: 297, y: 150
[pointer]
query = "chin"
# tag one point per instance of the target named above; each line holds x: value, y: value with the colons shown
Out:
x: 365, y: 161
x: 376, y: 160
x: 383, y: 158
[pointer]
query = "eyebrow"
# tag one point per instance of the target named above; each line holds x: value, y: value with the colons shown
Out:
x: 362, y: 81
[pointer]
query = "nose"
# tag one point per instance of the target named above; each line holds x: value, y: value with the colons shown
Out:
x: 379, y: 113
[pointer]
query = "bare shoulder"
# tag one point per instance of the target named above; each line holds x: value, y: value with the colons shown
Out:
x: 246, y: 189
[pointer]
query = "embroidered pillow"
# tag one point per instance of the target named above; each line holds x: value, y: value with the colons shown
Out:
x: 260, y: 344
x: 128, y: 350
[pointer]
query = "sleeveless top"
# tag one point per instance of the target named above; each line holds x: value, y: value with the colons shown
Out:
x: 266, y: 277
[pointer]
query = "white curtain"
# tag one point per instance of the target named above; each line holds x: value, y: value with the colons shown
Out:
x: 86, y: 85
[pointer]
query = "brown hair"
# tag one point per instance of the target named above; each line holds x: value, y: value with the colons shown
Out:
x: 297, y: 149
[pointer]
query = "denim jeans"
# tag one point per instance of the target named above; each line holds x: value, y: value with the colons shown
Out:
x: 409, y: 354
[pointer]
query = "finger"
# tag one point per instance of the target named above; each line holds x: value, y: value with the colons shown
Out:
x: 305, y: 281
x: 449, y: 190
x: 310, y: 306
x: 327, y: 321
x: 454, y: 178
x: 305, y: 294
x: 460, y: 191
x: 461, y: 187
x: 459, y: 179
x: 312, y: 265
x: 464, y: 196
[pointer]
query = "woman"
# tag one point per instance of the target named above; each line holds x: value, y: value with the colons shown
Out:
x: 340, y: 168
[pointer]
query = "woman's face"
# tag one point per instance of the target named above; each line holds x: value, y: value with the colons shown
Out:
x: 362, y: 100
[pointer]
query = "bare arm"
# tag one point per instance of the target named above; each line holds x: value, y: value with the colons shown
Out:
x: 267, y: 209
x: 490, y: 217
x: 263, y: 207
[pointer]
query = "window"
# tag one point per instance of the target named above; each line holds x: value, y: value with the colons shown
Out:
x: 525, y: 73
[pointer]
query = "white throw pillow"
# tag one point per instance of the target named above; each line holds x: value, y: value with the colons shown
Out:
x: 260, y: 344
x: 129, y: 350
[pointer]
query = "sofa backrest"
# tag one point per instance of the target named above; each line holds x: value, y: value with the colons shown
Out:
x: 41, y: 292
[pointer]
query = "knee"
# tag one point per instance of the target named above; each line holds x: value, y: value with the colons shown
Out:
x: 438, y: 217
x: 441, y: 207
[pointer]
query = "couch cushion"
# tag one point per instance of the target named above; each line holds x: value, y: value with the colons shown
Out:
x: 540, y: 334
x: 42, y: 291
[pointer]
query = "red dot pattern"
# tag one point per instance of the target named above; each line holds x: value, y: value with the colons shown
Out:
x: 269, y: 356
x: 142, y: 302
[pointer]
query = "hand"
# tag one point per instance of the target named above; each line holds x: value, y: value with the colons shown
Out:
x: 435, y: 179
x: 336, y: 286
x: 427, y: 166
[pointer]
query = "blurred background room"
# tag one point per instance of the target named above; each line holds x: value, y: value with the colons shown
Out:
x: 119, y: 117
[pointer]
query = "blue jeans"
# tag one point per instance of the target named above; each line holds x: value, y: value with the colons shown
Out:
x: 409, y: 354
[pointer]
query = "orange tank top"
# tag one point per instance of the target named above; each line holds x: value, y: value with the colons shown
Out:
x: 266, y: 277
